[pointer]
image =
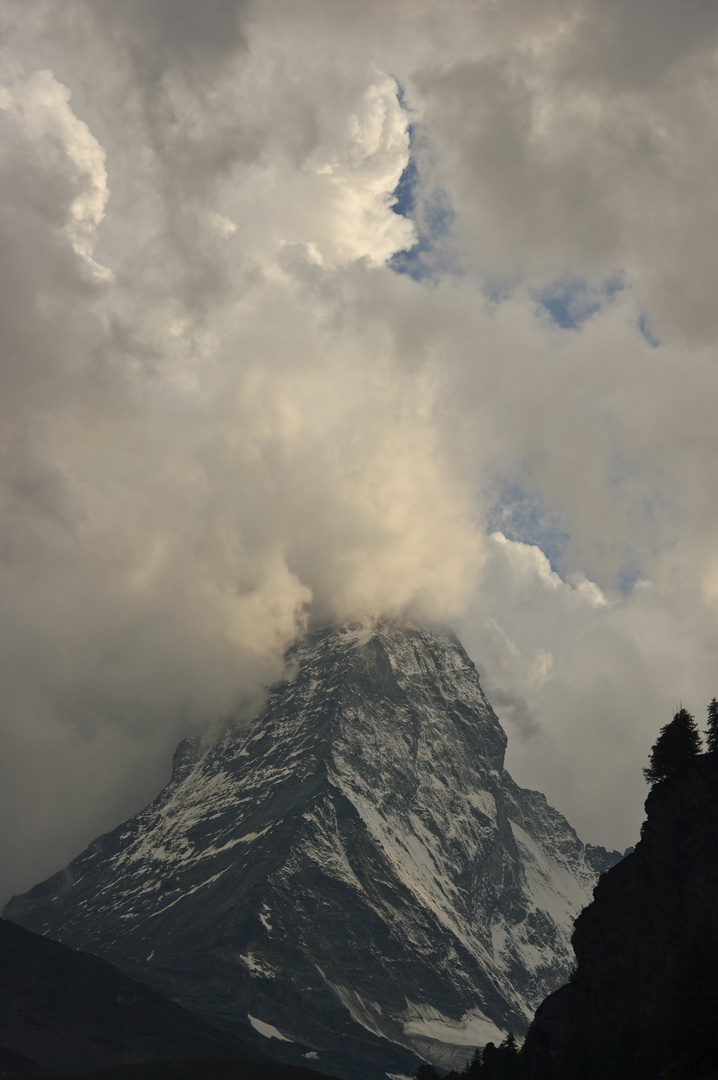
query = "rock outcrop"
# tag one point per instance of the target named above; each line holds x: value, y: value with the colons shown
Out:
x: 643, y: 999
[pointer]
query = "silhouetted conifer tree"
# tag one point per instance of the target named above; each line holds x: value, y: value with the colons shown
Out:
x: 508, y: 1054
x: 501, y: 1062
x: 473, y: 1069
x: 678, y: 743
x: 712, y: 728
x: 489, y: 1063
x: 426, y: 1072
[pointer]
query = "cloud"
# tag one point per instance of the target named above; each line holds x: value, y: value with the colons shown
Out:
x: 167, y: 35
x: 39, y: 112
x: 226, y: 412
x: 559, y: 146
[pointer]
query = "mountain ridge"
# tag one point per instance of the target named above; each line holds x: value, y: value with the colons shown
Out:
x: 355, y: 870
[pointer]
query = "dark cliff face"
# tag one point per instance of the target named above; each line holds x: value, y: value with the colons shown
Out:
x: 643, y: 999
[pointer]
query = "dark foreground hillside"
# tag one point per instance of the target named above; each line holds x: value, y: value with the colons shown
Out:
x: 643, y: 1001
x: 207, y: 1069
x: 67, y: 1010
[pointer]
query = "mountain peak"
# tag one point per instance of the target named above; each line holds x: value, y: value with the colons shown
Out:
x: 354, y: 870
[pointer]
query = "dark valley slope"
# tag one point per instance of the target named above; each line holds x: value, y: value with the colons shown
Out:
x: 63, y: 1008
x: 353, y: 881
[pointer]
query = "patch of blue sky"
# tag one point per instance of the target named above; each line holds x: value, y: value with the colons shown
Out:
x: 570, y: 301
x: 645, y: 328
x: 405, y: 190
x: 433, y: 219
x: 429, y: 258
x: 524, y: 518
x: 614, y: 284
x: 628, y: 577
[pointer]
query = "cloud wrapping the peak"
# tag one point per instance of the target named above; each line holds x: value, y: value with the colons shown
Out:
x: 240, y: 393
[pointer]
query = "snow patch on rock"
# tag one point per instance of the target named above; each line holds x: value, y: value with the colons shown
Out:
x: 268, y: 1030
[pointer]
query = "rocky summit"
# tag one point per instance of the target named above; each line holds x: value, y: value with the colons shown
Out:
x: 351, y: 881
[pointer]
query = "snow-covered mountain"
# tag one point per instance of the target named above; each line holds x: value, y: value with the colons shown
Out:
x: 354, y: 875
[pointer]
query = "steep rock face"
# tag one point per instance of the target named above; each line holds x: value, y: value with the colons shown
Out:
x: 643, y: 1000
x: 354, y: 875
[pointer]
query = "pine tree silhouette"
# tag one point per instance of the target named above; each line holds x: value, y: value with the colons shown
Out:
x: 712, y: 728
x: 678, y: 743
x: 426, y: 1072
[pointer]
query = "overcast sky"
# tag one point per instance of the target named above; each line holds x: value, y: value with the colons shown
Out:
x: 325, y: 310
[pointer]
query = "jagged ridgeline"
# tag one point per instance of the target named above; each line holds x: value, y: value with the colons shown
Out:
x: 353, y: 881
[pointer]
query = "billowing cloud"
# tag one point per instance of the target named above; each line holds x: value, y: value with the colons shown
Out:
x: 241, y: 393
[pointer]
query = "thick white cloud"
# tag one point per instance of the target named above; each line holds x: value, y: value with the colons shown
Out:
x: 42, y: 116
x: 225, y: 414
